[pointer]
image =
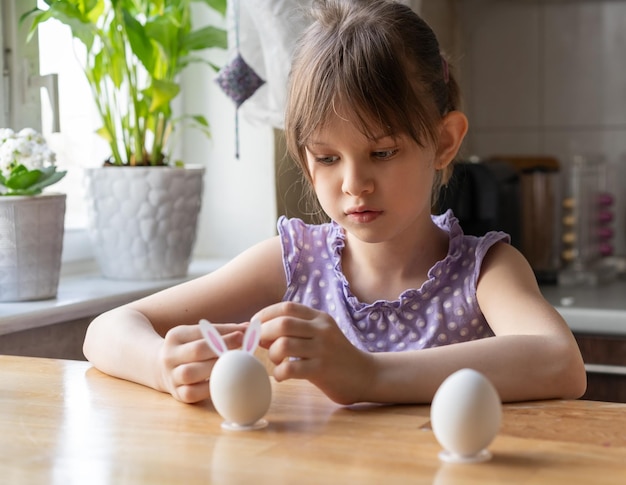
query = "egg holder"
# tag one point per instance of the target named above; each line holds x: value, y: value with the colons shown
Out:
x: 240, y: 386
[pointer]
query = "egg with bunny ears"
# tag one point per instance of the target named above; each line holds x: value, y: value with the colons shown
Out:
x: 465, y: 416
x: 240, y: 386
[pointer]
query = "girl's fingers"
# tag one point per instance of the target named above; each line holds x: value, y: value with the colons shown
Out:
x: 289, y: 348
x: 188, y: 345
x: 285, y: 327
x: 227, y: 328
x: 288, y: 319
x: 294, y: 369
x: 192, y: 372
x: 193, y: 393
x: 189, y: 360
x: 188, y: 333
x: 286, y: 309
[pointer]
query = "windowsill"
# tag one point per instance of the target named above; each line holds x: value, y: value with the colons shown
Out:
x: 84, y: 294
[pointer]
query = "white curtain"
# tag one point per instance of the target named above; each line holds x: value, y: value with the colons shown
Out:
x: 268, y: 30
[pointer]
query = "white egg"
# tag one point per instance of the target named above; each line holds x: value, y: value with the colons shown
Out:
x: 465, y: 415
x: 240, y: 388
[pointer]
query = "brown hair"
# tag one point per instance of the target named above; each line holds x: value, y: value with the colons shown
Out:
x: 378, y: 57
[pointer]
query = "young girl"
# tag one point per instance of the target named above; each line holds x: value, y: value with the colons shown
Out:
x: 385, y: 301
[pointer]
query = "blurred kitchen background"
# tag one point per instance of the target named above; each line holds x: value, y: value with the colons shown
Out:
x: 544, y: 84
x: 547, y: 78
x: 545, y: 88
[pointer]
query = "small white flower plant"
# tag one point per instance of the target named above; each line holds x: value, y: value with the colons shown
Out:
x: 27, y: 164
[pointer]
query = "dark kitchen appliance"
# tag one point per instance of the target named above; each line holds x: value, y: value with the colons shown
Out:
x: 518, y: 195
x: 484, y: 196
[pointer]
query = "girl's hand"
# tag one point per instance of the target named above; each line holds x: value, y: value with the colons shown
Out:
x: 186, y: 361
x: 305, y: 343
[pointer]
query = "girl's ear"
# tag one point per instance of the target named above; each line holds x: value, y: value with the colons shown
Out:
x: 452, y: 132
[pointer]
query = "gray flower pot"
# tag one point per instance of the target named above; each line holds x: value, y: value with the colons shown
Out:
x: 143, y: 220
x: 31, y: 243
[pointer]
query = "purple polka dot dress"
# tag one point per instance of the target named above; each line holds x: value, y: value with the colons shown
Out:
x: 443, y: 311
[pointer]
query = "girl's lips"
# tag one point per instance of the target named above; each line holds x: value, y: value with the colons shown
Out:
x: 363, y: 216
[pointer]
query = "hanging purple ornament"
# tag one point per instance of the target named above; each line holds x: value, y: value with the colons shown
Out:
x: 238, y: 80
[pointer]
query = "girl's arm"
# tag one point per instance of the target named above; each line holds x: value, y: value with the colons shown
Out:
x: 533, y: 355
x: 156, y: 341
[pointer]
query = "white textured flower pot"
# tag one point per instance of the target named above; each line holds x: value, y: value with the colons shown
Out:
x: 143, y: 220
x: 31, y: 243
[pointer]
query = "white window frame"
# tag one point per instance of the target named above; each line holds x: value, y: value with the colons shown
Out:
x: 20, y: 100
x: 4, y: 70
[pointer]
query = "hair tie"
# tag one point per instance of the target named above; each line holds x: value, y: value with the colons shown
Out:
x: 444, y: 67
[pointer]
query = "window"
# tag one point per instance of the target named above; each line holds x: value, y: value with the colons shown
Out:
x: 227, y: 227
x: 76, y: 144
x: 19, y: 99
x: 39, y: 77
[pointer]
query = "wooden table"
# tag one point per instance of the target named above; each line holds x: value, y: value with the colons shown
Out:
x: 63, y: 422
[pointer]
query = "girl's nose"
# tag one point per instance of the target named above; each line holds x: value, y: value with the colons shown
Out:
x: 357, y: 178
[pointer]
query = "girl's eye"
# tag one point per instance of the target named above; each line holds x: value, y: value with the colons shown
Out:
x: 385, y: 154
x: 326, y: 160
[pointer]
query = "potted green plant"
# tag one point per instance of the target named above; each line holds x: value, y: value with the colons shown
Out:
x: 134, y: 52
x: 31, y: 220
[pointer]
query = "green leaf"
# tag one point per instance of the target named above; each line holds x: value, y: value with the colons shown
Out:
x: 201, y: 120
x: 95, y: 74
x: 217, y: 5
x: 142, y: 107
x: 23, y: 18
x: 164, y: 31
x: 198, y: 122
x: 69, y: 14
x: 94, y: 10
x: 48, y: 177
x: 162, y: 92
x: 112, y: 61
x: 139, y: 42
x: 104, y: 133
x: 18, y: 170
x: 22, y: 179
x: 205, y: 38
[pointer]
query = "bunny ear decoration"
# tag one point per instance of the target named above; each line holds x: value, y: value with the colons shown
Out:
x: 212, y: 337
x: 252, y: 336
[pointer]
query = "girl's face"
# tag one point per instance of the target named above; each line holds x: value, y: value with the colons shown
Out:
x: 375, y: 189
